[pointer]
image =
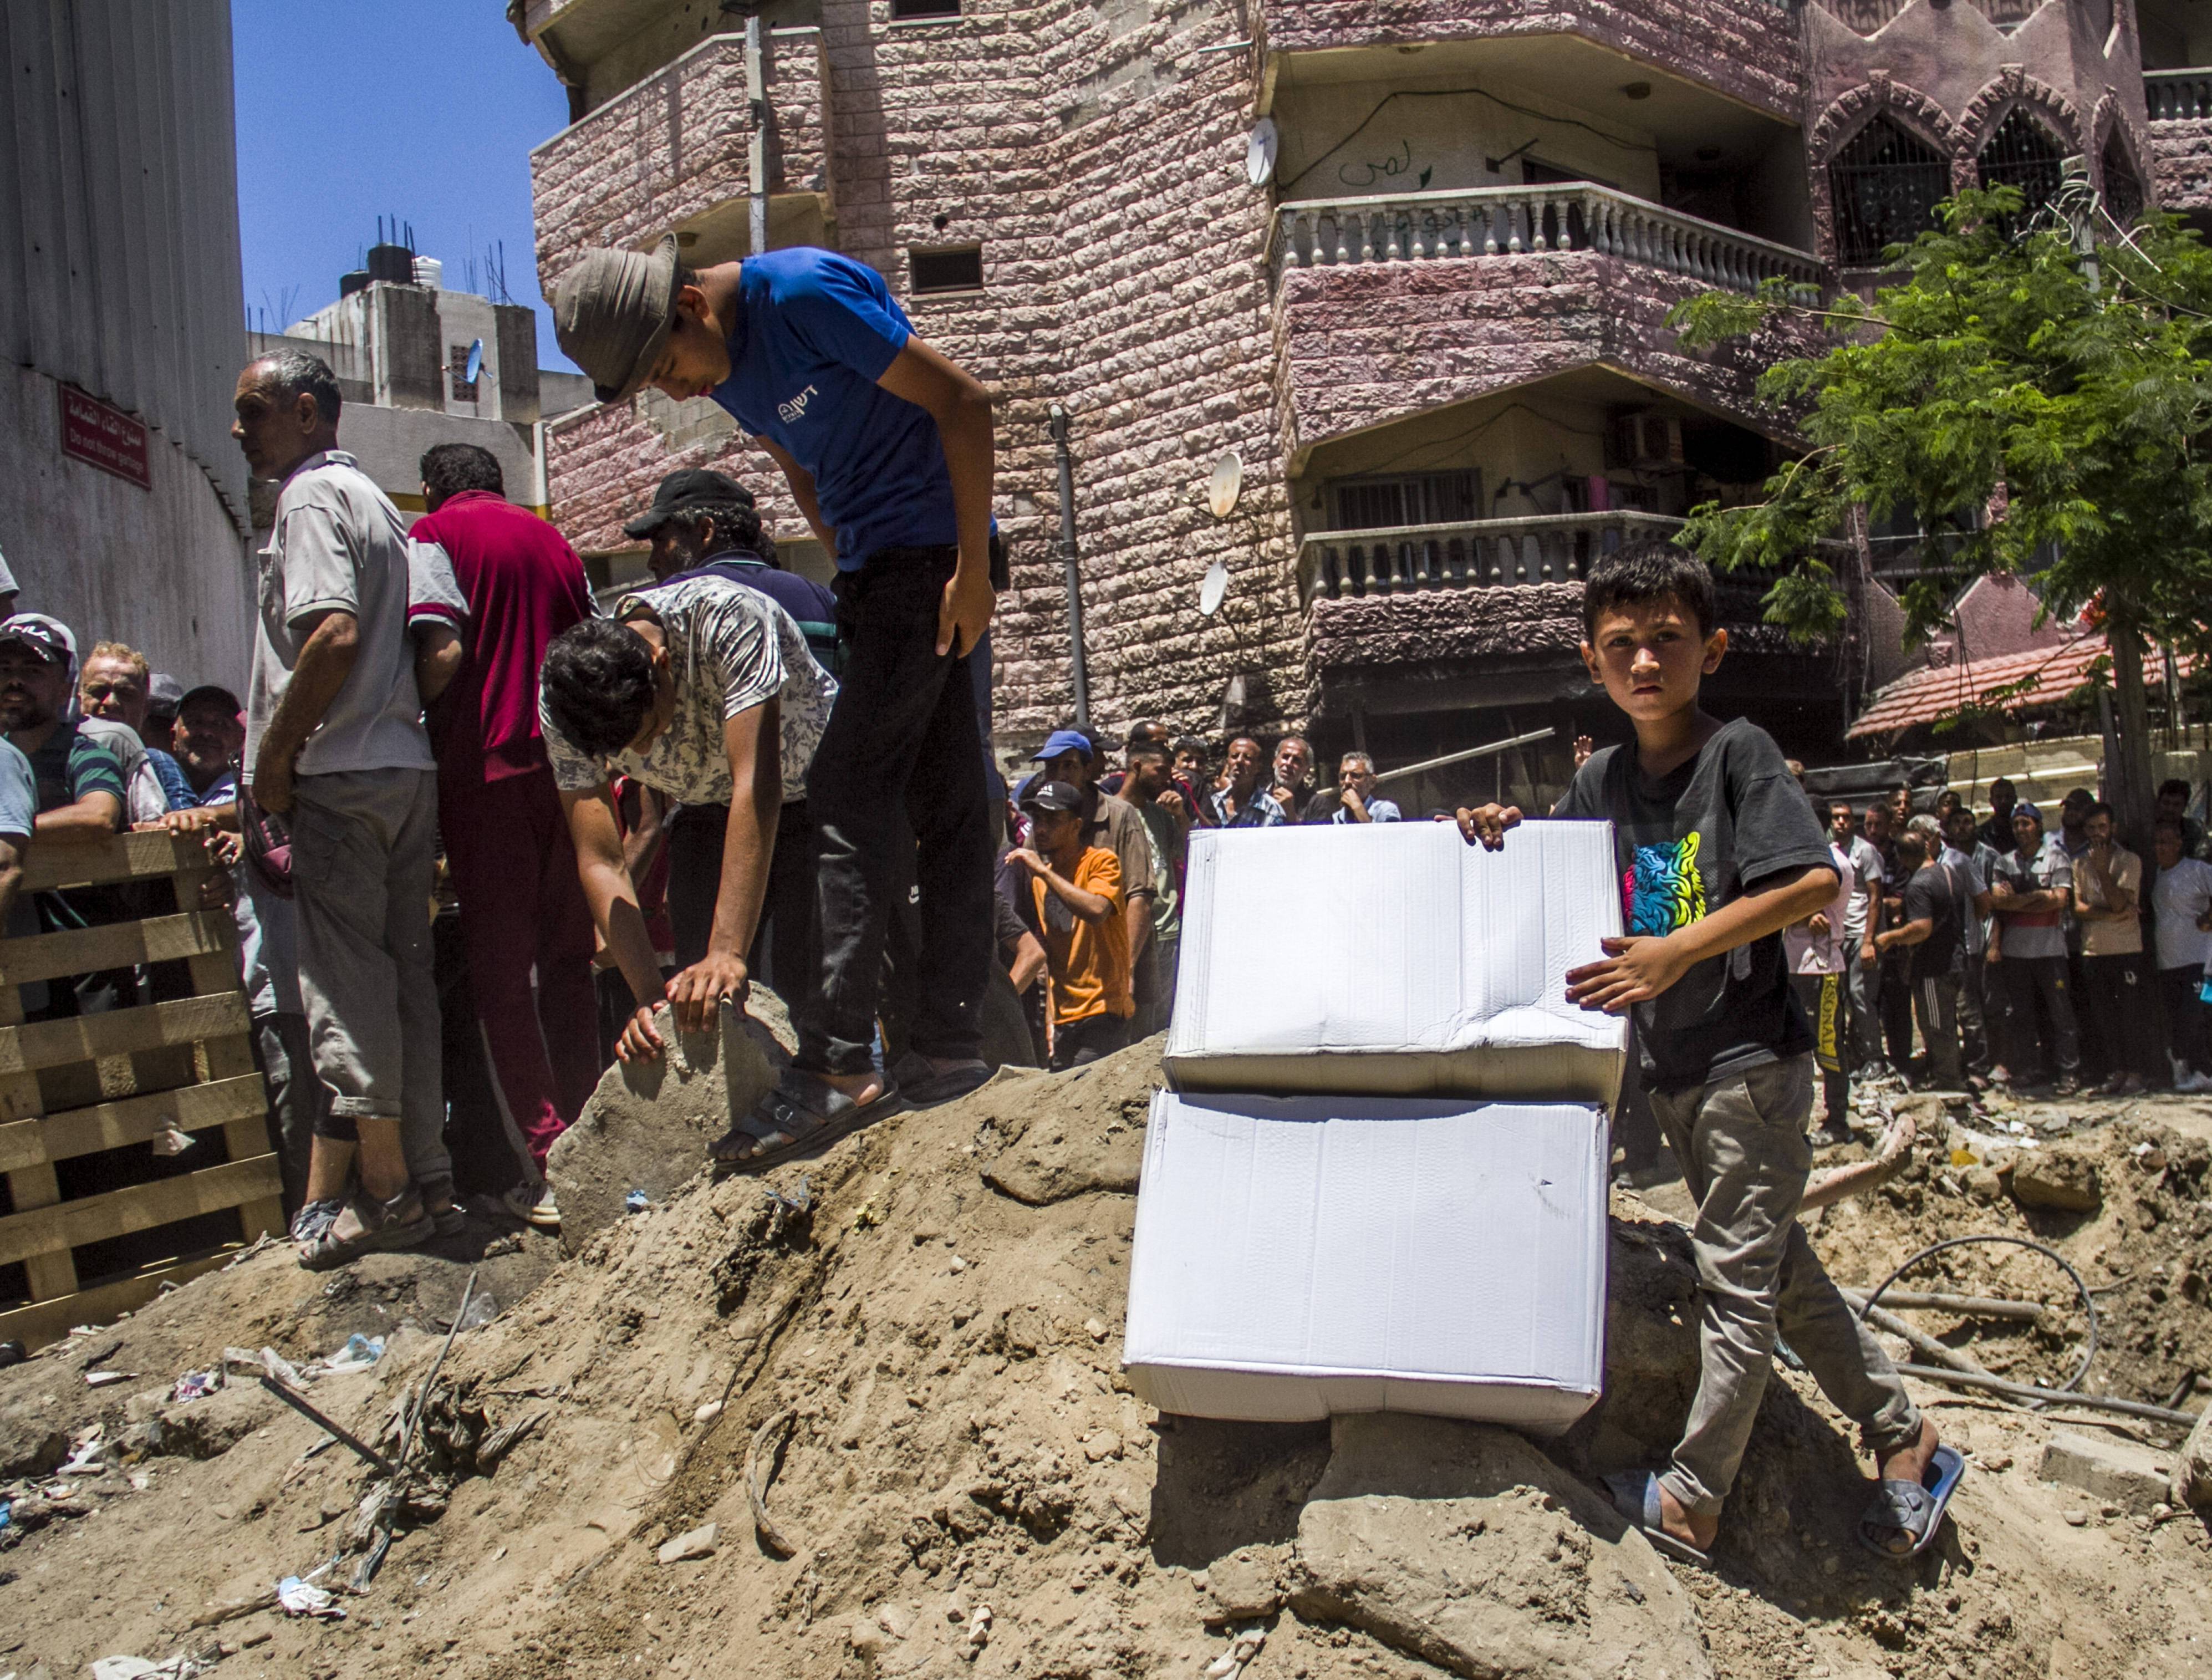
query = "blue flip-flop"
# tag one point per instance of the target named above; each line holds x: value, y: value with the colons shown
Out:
x: 1635, y: 1496
x: 1912, y: 1510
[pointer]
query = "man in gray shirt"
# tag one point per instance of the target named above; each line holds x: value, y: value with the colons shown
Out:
x: 335, y: 744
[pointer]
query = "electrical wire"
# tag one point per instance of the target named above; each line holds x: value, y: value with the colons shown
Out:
x: 1461, y: 93
x: 2088, y: 1305
x: 1475, y: 431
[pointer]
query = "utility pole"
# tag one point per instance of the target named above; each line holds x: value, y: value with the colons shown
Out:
x: 1077, y: 674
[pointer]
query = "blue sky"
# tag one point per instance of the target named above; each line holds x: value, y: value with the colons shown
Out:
x: 424, y: 110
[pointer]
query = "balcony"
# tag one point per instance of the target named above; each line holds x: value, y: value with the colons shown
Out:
x: 1746, y: 49
x: 1506, y: 222
x: 2179, y: 103
x: 671, y: 152
x: 1390, y: 306
x: 1477, y: 554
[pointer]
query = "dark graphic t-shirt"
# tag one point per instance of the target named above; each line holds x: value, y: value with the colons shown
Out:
x: 1686, y: 844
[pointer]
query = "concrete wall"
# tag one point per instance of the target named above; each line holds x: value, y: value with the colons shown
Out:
x: 164, y: 570
x: 119, y: 274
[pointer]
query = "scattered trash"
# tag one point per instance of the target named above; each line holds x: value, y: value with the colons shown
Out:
x: 708, y: 1413
x: 268, y: 1361
x: 106, y: 1379
x: 479, y: 1309
x: 171, y: 1141
x: 636, y: 1202
x: 182, y: 1667
x: 297, y: 1597
x: 11, y: 1353
x: 361, y: 1353
x: 798, y: 1202
x: 197, y: 1384
x: 84, y: 1455
x: 693, y: 1543
x: 1230, y: 1663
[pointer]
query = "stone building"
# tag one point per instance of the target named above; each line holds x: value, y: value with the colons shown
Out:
x: 1408, y: 260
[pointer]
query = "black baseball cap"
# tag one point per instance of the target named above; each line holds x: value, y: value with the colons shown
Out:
x: 210, y: 694
x: 1053, y: 797
x: 681, y: 491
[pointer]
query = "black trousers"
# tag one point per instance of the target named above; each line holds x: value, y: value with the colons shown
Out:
x: 2125, y: 1010
x: 903, y: 736
x: 786, y: 948
x: 2178, y: 988
x: 1895, y: 1005
x: 2045, y: 1037
x: 1081, y: 1043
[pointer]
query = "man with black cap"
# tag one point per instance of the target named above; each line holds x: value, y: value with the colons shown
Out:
x: 887, y: 447
x: 702, y: 524
x: 1078, y: 901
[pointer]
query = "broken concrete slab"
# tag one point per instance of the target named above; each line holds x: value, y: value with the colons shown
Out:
x: 2058, y: 1179
x: 2190, y: 1484
x: 647, y: 1126
x: 2112, y: 1471
x: 1463, y: 1545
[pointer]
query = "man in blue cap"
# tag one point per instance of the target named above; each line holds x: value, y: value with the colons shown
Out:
x: 1071, y: 756
x: 887, y: 447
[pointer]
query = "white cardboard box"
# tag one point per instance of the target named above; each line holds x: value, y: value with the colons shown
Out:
x: 1299, y: 1256
x: 1394, y: 959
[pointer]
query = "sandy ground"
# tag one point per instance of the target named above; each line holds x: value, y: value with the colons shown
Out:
x: 932, y: 1311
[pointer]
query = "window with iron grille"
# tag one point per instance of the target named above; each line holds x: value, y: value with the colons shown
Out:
x: 2123, y: 187
x: 1406, y: 498
x: 2024, y: 154
x: 1885, y: 183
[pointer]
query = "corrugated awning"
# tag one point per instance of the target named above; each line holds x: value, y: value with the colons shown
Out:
x: 2010, y: 684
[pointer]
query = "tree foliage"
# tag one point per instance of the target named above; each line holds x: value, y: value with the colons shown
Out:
x: 2035, y: 410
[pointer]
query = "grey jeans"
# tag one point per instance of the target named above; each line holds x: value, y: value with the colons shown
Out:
x: 1864, y: 985
x: 364, y: 845
x: 1741, y: 1145
x: 297, y: 1099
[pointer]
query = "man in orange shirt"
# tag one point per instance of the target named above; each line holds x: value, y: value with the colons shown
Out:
x: 1077, y: 896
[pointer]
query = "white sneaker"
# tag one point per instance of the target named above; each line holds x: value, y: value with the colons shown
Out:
x: 534, y: 1203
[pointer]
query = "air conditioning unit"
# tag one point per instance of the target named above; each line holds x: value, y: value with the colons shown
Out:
x: 1647, y: 440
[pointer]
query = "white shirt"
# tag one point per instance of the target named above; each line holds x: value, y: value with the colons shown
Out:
x: 2178, y: 897
x: 1805, y: 954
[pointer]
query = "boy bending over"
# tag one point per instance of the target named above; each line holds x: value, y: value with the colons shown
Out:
x: 1717, y: 852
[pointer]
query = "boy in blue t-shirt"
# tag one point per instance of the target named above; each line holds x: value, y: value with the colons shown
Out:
x: 887, y: 447
x: 1717, y: 853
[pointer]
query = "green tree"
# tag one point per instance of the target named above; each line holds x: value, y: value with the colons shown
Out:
x: 2038, y: 400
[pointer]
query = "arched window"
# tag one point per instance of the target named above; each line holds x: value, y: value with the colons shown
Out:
x: 2123, y: 187
x: 1885, y: 183
x: 2024, y: 154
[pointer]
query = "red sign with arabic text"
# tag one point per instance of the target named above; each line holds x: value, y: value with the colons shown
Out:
x: 105, y: 437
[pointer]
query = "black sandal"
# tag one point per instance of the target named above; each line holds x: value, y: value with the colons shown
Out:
x: 400, y: 1223
x: 803, y: 1113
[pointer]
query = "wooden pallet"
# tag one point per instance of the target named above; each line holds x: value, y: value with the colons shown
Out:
x: 76, y: 1086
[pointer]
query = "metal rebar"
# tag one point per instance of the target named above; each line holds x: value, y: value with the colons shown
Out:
x: 365, y: 1452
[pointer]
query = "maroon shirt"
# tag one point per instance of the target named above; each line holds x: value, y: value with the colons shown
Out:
x: 525, y: 585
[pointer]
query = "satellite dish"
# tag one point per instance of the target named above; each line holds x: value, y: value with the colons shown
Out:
x: 475, y: 362
x: 1212, y: 588
x: 1222, y: 488
x: 1260, y: 152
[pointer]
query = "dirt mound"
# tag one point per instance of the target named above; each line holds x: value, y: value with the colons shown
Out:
x: 912, y: 1344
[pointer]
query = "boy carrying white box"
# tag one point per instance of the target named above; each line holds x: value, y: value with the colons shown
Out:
x: 1717, y: 852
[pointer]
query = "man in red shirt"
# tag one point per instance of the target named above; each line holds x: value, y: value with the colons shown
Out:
x: 507, y: 842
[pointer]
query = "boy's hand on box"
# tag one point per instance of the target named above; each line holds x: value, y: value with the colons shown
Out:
x: 1485, y: 824
x: 1636, y: 969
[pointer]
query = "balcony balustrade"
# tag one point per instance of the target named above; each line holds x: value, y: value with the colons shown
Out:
x: 2178, y: 95
x: 1506, y: 222
x: 1477, y: 554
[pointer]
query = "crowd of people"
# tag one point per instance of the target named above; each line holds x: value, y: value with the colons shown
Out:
x: 2045, y: 957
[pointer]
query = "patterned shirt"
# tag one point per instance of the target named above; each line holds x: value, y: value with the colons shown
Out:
x: 731, y: 648
x: 1262, y: 810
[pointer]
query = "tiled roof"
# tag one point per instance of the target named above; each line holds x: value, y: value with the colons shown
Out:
x: 2023, y: 682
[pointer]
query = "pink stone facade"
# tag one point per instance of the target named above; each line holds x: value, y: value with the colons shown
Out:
x: 1095, y: 150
